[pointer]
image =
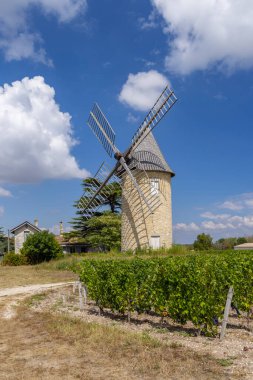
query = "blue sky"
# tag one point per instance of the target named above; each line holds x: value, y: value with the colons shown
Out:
x: 58, y: 57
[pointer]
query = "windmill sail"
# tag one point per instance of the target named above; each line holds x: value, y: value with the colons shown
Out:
x: 163, y: 104
x: 94, y: 198
x: 102, y: 129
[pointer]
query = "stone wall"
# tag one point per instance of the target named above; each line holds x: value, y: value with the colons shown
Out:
x: 138, y: 223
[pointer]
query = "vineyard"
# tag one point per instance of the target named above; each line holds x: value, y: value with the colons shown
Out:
x: 191, y: 288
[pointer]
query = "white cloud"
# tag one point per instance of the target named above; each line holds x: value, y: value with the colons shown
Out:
x: 25, y: 45
x: 65, y: 10
x: 210, y: 215
x: 186, y: 227
x: 132, y: 119
x: 4, y: 192
x: 17, y: 40
x: 36, y: 137
x: 210, y: 225
x: 1, y: 210
x: 220, y: 97
x: 239, y: 202
x: 141, y: 90
x: 247, y: 221
x: 206, y: 33
x: 249, y: 203
x: 230, y: 205
x: 239, y: 222
x: 150, y: 22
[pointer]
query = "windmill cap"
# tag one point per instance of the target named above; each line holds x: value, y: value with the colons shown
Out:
x: 149, y: 157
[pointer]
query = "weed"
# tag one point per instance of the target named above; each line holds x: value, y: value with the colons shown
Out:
x: 58, y: 304
x: 152, y: 342
x: 225, y: 362
x: 36, y: 299
x: 161, y: 330
x: 175, y: 345
x: 184, y: 333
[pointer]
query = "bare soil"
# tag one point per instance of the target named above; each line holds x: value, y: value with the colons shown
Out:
x: 48, y: 336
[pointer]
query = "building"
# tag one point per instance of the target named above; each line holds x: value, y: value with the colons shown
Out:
x: 140, y: 227
x: 22, y: 231
x: 244, y: 247
x: 70, y: 246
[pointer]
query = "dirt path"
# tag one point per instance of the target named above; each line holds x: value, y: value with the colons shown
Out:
x: 10, y: 297
x: 30, y: 289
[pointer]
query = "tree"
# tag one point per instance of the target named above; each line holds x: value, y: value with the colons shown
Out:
x: 241, y: 240
x: 229, y: 243
x: 249, y: 239
x: 114, y: 198
x: 112, y: 201
x: 226, y: 243
x: 41, y: 246
x: 4, y: 242
x: 203, y: 242
x: 104, y: 231
x: 2, y: 237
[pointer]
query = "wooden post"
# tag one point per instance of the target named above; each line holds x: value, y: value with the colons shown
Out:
x: 226, y: 312
x: 81, y: 306
x: 84, y: 294
x: 75, y: 286
x: 8, y: 249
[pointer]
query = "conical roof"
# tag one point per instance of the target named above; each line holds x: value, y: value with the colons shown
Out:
x: 149, y: 156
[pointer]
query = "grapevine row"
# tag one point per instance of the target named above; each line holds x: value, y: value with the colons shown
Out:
x: 191, y: 288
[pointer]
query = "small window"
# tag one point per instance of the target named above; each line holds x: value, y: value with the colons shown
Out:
x: 154, y: 182
x: 26, y: 234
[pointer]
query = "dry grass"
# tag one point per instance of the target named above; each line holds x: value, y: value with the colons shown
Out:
x: 30, y: 275
x: 39, y: 345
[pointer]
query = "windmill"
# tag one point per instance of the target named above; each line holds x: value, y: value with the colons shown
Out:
x: 143, y: 175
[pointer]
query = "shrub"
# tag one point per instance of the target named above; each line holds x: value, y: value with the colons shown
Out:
x: 14, y: 259
x: 40, y: 247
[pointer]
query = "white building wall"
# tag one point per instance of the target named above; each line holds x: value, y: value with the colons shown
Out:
x: 19, y: 236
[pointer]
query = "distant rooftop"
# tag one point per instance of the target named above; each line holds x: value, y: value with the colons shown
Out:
x: 244, y: 246
x: 25, y: 224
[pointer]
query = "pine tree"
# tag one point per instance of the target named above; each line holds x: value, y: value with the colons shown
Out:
x: 112, y: 202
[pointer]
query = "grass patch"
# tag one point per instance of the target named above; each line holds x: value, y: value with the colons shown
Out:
x: 226, y: 362
x: 175, y: 345
x: 137, y: 354
x: 30, y: 275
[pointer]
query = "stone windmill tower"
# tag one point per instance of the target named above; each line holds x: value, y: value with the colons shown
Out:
x: 144, y: 176
x: 140, y: 227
